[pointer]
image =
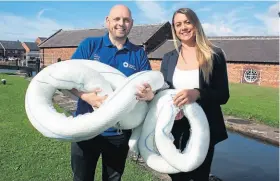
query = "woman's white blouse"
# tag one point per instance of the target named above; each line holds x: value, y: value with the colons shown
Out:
x: 186, y: 79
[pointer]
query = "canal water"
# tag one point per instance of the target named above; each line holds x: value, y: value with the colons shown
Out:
x: 240, y: 158
x: 8, y: 71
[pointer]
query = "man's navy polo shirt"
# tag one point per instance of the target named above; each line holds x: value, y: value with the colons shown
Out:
x: 129, y: 60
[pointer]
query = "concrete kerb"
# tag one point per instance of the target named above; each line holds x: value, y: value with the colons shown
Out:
x: 253, y: 130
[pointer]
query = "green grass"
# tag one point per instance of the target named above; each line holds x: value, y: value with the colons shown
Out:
x: 25, y: 155
x: 254, y: 102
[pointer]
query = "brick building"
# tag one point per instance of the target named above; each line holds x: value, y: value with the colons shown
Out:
x: 252, y: 60
x: 32, y: 50
x: 30, y: 46
x: 11, y: 50
x: 39, y: 40
x: 63, y: 43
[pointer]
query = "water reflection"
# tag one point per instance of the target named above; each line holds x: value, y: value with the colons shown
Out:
x: 242, y: 159
x: 8, y: 71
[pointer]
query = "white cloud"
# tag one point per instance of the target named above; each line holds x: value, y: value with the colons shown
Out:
x: 151, y: 12
x: 217, y: 29
x: 20, y: 28
x: 40, y: 13
x: 233, y: 23
x: 206, y: 9
x: 154, y: 12
x: 218, y: 25
x: 270, y: 19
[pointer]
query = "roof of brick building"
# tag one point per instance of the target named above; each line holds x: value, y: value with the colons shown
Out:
x: 32, y: 46
x: 237, y: 49
x: 42, y: 38
x: 138, y: 35
x: 11, y: 45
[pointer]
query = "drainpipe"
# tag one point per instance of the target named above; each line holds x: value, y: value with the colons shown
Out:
x: 3, y: 48
x: 43, y: 57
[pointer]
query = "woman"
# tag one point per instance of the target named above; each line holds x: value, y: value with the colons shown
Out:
x: 198, y: 69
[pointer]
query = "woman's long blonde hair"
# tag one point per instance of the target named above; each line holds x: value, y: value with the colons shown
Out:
x: 204, y: 51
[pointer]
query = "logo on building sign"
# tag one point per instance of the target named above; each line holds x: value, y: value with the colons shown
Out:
x: 96, y: 57
x: 127, y: 65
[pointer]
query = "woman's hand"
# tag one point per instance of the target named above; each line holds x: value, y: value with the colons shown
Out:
x: 145, y: 92
x: 186, y: 96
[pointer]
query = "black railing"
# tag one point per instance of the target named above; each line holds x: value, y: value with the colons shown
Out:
x: 33, y: 66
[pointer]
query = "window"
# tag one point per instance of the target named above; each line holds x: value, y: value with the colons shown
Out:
x: 251, y: 75
x: 16, y: 51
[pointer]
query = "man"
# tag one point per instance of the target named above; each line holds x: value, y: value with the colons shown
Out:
x: 115, y: 50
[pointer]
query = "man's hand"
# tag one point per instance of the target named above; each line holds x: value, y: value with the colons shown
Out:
x: 145, y: 92
x: 186, y: 96
x: 91, y: 97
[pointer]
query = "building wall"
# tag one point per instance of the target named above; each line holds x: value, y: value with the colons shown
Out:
x: 25, y: 47
x: 1, y: 53
x: 52, y: 54
x: 268, y: 74
x: 38, y: 41
x: 14, y: 53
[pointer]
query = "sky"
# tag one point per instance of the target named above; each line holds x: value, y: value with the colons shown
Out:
x: 25, y: 21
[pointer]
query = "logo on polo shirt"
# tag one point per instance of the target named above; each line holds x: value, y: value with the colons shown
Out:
x: 127, y: 65
x: 96, y: 57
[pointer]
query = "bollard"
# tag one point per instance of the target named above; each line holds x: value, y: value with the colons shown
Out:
x: 3, y: 81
